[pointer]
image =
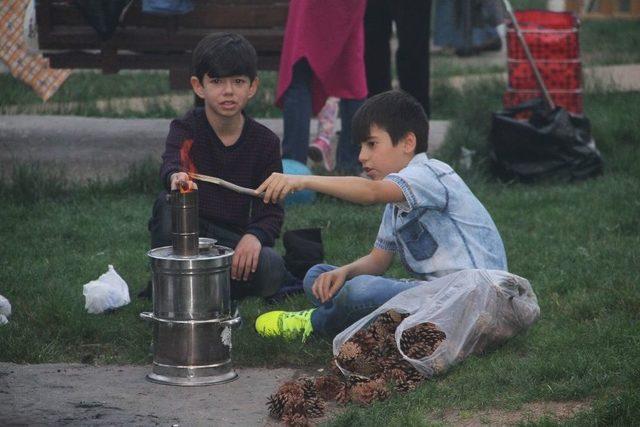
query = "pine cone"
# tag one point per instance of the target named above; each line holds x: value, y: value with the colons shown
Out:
x: 378, y: 331
x: 348, y: 351
x: 356, y: 379
x: 308, y: 387
x: 421, y: 340
x: 328, y: 387
x: 364, y: 365
x: 314, y: 407
x: 295, y: 420
x: 344, y: 395
x: 276, y: 403
x: 367, y: 341
x: 404, y: 386
x: 367, y: 392
x: 396, y: 375
x: 291, y: 391
x: 390, y: 320
x: 419, y: 350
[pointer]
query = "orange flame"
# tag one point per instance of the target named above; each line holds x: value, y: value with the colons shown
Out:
x: 187, y: 166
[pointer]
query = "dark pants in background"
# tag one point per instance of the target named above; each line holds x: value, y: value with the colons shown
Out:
x: 270, y: 273
x: 413, y: 26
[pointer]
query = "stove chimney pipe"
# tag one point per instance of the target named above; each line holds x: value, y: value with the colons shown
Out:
x: 184, y: 222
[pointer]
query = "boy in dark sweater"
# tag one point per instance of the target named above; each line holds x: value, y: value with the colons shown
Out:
x: 227, y: 144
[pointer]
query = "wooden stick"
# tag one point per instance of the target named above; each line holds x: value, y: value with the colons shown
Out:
x: 225, y: 184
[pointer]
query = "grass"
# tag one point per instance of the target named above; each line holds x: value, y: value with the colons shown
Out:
x: 576, y: 243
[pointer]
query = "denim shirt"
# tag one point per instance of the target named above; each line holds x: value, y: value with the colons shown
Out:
x: 440, y: 227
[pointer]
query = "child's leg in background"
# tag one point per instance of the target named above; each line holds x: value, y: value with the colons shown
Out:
x: 296, y: 114
x: 320, y: 148
x: 358, y: 297
x: 347, y: 152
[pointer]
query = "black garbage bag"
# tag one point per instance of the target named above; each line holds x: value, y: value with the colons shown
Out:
x: 303, y: 250
x: 550, y: 144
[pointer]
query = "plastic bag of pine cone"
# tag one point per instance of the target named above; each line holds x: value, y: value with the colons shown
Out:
x: 424, y: 330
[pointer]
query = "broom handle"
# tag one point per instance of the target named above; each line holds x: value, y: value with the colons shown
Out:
x: 527, y: 52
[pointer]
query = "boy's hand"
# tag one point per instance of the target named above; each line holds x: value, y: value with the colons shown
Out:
x: 328, y: 284
x: 245, y: 258
x: 278, y: 186
x: 179, y: 177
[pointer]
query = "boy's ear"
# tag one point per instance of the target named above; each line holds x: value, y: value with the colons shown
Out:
x: 409, y: 142
x: 197, y: 87
x: 253, y: 89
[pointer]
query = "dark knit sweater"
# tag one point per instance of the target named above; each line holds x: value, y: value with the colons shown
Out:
x: 248, y: 162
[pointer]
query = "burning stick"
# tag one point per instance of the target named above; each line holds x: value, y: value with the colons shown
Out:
x: 225, y: 184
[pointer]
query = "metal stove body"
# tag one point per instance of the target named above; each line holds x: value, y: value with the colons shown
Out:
x: 192, y: 314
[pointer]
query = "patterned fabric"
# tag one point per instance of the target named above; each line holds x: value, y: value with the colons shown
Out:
x: 31, y: 68
x: 441, y: 227
x: 248, y: 162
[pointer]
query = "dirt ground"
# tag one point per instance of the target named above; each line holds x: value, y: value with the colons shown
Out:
x: 86, y: 395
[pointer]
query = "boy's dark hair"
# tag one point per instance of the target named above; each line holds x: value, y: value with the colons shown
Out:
x: 397, y: 113
x: 224, y: 55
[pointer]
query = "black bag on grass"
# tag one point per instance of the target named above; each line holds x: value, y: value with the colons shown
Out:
x: 550, y: 144
x: 303, y: 250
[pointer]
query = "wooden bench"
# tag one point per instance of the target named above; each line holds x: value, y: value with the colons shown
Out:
x: 146, y: 41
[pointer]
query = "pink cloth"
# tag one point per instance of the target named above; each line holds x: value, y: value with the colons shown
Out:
x: 330, y: 34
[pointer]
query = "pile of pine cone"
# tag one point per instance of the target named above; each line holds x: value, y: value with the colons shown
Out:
x: 372, y: 356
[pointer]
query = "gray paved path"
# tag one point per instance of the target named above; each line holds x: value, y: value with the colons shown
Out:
x: 89, y: 148
x: 82, y: 395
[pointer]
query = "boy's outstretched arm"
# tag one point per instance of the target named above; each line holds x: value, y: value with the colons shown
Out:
x: 350, y: 188
x: 328, y: 284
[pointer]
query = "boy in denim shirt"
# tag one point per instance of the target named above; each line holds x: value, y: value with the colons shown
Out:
x: 432, y: 221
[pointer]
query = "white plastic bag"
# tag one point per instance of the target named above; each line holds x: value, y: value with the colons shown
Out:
x: 108, y: 292
x: 476, y: 309
x: 5, y: 310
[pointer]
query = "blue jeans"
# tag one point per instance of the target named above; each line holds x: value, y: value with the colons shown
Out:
x: 297, y: 115
x: 450, y: 32
x: 358, y: 297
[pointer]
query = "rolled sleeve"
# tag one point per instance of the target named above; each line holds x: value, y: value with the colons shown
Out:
x: 385, y: 239
x: 421, y: 185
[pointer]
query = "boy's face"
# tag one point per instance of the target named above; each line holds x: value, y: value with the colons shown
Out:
x: 225, y: 96
x: 379, y: 157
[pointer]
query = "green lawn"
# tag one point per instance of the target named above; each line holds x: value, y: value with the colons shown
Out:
x: 577, y: 244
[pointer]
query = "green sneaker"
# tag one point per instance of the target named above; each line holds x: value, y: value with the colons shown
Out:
x: 286, y: 324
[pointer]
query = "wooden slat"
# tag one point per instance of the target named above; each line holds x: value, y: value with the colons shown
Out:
x: 87, y: 60
x: 242, y: 16
x: 153, y: 40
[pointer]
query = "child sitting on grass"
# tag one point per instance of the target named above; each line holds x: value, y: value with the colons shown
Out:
x: 228, y: 144
x: 432, y: 221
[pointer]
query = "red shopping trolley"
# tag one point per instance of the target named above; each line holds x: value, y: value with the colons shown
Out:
x: 552, y: 38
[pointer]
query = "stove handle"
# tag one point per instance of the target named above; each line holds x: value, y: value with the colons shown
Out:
x: 232, y: 322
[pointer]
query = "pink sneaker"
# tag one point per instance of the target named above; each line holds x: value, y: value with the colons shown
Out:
x: 320, y: 151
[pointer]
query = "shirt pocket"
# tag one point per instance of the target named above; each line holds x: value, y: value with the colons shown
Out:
x: 418, y: 240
